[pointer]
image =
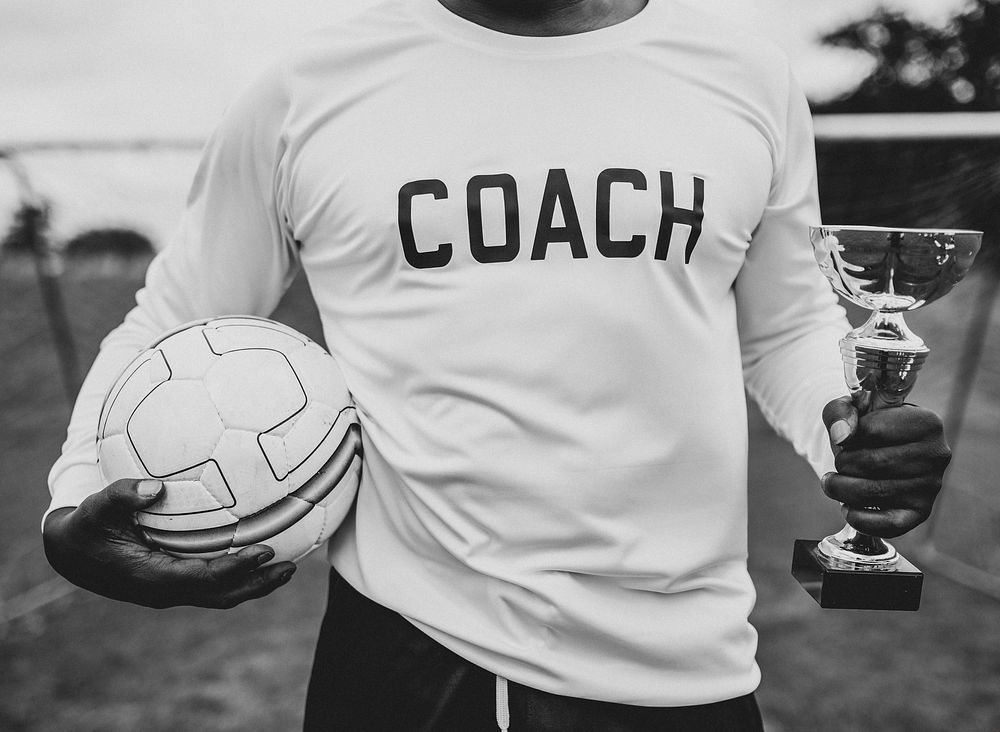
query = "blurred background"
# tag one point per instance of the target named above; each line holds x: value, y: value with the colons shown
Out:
x: 103, y: 107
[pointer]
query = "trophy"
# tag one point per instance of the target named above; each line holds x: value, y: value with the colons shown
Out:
x: 888, y: 271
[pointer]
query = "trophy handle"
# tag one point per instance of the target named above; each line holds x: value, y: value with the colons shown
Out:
x: 881, y: 361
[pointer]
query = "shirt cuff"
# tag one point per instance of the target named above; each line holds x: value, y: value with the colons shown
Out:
x: 73, y: 485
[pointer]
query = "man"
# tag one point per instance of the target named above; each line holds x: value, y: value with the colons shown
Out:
x: 550, y: 243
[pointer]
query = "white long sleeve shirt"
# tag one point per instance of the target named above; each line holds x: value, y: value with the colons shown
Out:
x: 548, y: 267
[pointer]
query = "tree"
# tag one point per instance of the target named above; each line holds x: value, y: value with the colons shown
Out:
x: 921, y: 68
x: 27, y: 231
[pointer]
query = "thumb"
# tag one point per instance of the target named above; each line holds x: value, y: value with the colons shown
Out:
x: 841, y: 419
x: 126, y: 496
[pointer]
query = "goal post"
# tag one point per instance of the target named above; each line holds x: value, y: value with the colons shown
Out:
x: 911, y: 126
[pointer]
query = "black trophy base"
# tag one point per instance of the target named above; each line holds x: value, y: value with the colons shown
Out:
x: 836, y: 584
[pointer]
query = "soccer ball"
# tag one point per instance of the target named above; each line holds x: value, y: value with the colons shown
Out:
x: 250, y: 427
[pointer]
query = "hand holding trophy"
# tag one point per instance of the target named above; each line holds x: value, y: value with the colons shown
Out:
x: 888, y: 271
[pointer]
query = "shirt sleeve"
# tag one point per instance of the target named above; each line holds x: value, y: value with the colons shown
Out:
x: 233, y: 253
x: 790, y: 321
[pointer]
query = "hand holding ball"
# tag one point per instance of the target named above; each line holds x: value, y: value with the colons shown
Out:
x: 251, y: 429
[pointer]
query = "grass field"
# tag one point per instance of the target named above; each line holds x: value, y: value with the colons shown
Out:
x: 84, y: 663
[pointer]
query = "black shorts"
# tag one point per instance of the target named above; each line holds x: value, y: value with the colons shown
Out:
x: 375, y: 672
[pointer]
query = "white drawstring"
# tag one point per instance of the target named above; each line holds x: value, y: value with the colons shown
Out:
x: 503, y: 705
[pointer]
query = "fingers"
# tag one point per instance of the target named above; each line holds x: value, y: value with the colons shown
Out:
x: 883, y: 508
x: 886, y: 524
x: 841, y: 419
x: 915, y: 493
x: 221, y: 583
x: 894, y: 462
x: 243, y: 562
x: 899, y: 426
x: 258, y: 584
x: 881, y: 427
x: 890, y: 465
x: 121, y: 499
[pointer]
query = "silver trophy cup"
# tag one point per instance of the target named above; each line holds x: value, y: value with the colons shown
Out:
x: 888, y: 271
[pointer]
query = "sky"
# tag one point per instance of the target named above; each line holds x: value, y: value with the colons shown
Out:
x: 106, y: 68
x: 75, y: 70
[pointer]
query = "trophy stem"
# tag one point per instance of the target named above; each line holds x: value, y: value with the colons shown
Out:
x: 886, y: 330
x: 881, y: 361
x: 852, y: 546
